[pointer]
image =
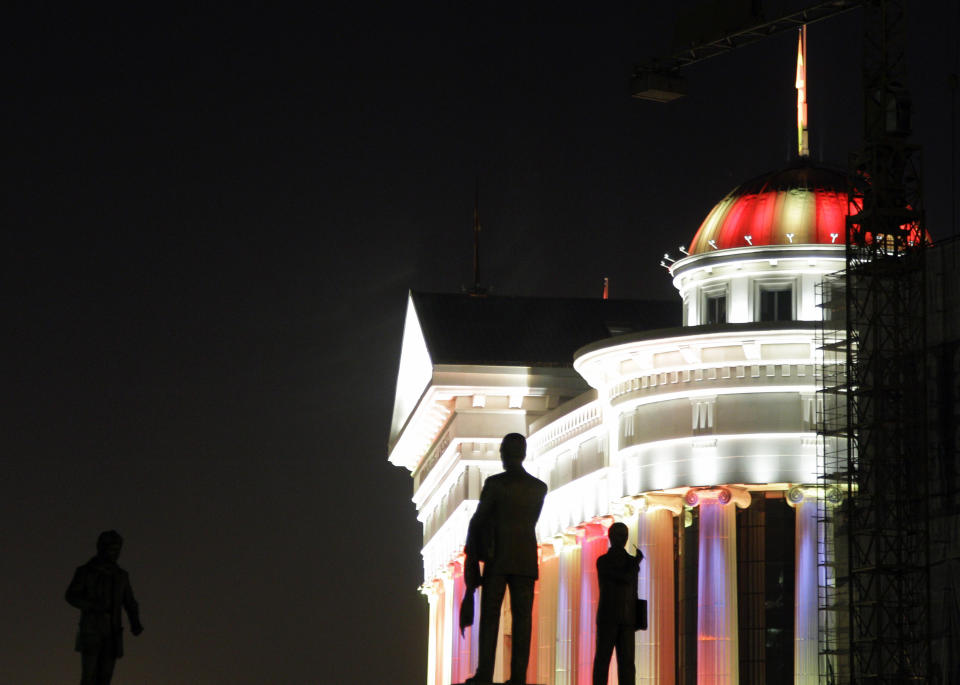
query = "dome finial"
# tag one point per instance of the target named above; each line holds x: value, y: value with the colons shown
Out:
x: 803, y: 142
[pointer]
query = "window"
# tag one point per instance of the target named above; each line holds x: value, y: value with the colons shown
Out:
x: 715, y: 309
x: 776, y: 302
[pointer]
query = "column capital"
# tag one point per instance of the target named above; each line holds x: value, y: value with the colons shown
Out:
x: 594, y: 527
x: 563, y: 540
x: 799, y: 494
x: 723, y: 494
x: 655, y: 501
x: 455, y: 565
x: 546, y: 550
x: 429, y: 588
x: 832, y: 495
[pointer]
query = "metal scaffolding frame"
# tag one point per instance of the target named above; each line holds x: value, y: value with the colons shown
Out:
x: 833, y: 472
x: 943, y: 387
x: 873, y: 430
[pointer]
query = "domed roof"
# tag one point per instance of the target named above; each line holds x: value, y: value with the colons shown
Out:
x: 801, y: 204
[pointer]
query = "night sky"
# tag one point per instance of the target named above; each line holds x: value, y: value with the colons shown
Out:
x: 210, y: 223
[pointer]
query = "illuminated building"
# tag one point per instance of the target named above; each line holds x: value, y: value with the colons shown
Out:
x: 701, y: 437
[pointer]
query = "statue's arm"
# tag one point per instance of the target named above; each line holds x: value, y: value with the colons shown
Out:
x: 479, y: 535
x: 76, y: 594
x: 485, y: 507
x: 543, y: 496
x: 132, y: 608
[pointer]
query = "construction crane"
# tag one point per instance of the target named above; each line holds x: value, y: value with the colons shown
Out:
x: 660, y: 80
x: 879, y: 462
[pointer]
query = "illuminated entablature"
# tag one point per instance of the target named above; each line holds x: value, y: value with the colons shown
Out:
x: 464, y: 390
x: 708, y: 405
x: 569, y: 442
x: 699, y: 354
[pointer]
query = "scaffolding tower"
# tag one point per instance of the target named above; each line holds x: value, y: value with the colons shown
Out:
x: 875, y: 578
x: 833, y: 479
x: 943, y: 388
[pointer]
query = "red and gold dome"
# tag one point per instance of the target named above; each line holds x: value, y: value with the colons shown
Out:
x: 799, y: 205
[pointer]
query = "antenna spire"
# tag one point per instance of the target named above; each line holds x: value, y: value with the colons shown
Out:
x: 476, y: 238
x: 476, y: 289
x: 803, y: 140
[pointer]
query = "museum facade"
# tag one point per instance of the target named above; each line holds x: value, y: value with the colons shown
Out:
x: 694, y: 422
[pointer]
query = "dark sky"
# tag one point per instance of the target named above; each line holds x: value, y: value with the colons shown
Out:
x: 210, y: 222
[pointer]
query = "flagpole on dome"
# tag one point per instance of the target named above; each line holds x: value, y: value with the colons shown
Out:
x: 803, y: 140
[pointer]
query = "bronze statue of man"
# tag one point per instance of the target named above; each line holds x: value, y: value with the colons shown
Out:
x: 99, y: 589
x: 502, y: 535
x: 617, y: 573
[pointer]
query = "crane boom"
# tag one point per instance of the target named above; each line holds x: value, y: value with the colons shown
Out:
x: 659, y: 79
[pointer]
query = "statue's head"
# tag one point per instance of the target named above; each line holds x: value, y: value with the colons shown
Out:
x: 618, y: 534
x: 109, y: 544
x: 513, y: 449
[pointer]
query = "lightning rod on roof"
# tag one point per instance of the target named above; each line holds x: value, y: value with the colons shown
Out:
x: 476, y: 289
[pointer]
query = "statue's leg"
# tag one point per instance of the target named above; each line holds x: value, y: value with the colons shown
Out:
x: 107, y: 662
x: 89, y: 666
x: 521, y: 606
x: 606, y: 639
x: 491, y: 597
x: 97, y: 664
x: 626, y: 649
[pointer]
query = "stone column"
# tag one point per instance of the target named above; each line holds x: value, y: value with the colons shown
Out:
x: 656, y: 648
x: 568, y: 604
x: 532, y: 669
x: 464, y: 652
x: 429, y: 590
x: 718, y: 659
x: 455, y: 590
x: 545, y: 645
x: 806, y: 587
x: 501, y: 664
x: 446, y: 628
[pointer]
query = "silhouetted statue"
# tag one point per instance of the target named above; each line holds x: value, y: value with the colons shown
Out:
x: 617, y: 574
x: 502, y: 535
x: 99, y: 589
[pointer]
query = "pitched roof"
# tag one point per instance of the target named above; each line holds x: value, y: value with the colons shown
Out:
x: 529, y: 331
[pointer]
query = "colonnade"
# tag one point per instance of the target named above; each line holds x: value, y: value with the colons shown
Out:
x: 563, y: 637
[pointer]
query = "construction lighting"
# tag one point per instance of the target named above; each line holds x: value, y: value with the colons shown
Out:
x: 658, y: 86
